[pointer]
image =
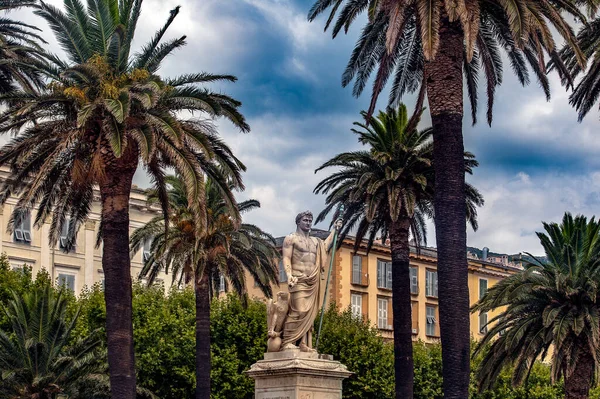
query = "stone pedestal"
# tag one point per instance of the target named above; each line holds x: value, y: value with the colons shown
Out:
x: 292, y: 374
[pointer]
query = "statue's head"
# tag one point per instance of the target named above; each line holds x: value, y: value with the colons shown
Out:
x: 304, y: 220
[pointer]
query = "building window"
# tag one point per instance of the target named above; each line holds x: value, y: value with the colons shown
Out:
x: 221, y: 283
x: 483, y: 287
x: 63, y: 241
x: 414, y: 281
x: 356, y: 269
x: 431, y: 321
x: 383, y: 314
x: 282, y: 273
x: 483, y: 321
x: 431, y: 283
x: 356, y: 302
x: 22, y: 225
x: 146, y: 253
x: 66, y: 281
x: 384, y: 274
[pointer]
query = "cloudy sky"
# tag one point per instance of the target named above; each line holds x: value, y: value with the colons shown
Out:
x: 536, y: 161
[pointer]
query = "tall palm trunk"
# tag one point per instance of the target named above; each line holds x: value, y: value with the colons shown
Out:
x: 403, y: 350
x: 202, y: 338
x: 577, y: 385
x: 445, y: 95
x: 114, y: 191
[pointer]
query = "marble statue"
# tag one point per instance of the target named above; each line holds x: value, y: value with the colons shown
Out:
x: 304, y: 258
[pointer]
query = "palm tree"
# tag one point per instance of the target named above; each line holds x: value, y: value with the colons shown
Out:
x: 586, y: 92
x: 20, y: 51
x: 104, y: 112
x: 389, y: 190
x: 219, y: 256
x: 551, y: 306
x: 429, y: 46
x: 38, y: 359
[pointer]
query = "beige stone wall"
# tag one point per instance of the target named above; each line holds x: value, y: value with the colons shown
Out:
x: 84, y: 263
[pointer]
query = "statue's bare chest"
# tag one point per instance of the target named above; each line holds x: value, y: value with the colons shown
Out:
x: 305, y: 246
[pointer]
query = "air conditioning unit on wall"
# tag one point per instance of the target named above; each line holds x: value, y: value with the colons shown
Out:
x: 415, y: 331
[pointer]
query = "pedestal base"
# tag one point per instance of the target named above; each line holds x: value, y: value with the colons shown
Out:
x: 292, y: 374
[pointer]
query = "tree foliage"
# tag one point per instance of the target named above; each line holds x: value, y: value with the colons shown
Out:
x: 550, y: 307
x: 38, y: 359
x: 164, y: 338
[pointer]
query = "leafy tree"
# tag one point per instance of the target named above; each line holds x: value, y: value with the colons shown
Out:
x: 104, y: 111
x: 388, y: 190
x: 430, y: 47
x: 550, y: 305
x: 225, y: 249
x: 238, y: 340
x: 35, y: 359
x: 164, y: 340
x: 358, y: 345
x: 428, y: 371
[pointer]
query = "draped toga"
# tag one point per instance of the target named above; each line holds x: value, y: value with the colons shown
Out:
x: 300, y: 318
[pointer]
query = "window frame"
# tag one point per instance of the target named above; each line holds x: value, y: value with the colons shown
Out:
x: 146, y: 249
x: 482, y: 294
x: 356, y: 308
x: 414, y: 276
x: 430, y: 321
x: 357, y: 269
x: 384, y: 274
x: 64, y: 236
x: 431, y: 283
x: 383, y: 313
x: 483, y: 321
x: 22, y: 228
x: 62, y: 280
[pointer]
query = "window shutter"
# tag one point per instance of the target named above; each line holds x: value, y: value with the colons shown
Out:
x: 414, y: 282
x: 435, y: 284
x: 389, y: 275
x: 414, y: 313
x: 427, y: 283
x: 364, y: 269
x: 379, y: 274
x: 390, y: 315
x: 482, y: 287
x: 483, y: 323
x: 356, y: 269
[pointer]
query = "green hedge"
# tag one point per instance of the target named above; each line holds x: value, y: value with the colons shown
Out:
x: 164, y: 344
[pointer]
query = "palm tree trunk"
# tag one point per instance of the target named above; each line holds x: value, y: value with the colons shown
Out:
x: 202, y: 338
x: 445, y: 95
x: 114, y: 192
x: 577, y: 385
x: 403, y: 350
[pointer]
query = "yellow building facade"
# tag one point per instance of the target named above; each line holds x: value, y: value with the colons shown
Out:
x: 362, y: 282
x: 80, y: 267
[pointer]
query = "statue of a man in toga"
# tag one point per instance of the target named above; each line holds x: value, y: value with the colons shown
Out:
x: 304, y: 258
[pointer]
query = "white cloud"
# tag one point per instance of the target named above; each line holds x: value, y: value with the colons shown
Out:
x: 515, y: 207
x: 291, y: 22
x: 281, y: 160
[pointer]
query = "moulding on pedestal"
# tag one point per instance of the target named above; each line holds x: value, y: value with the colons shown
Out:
x: 292, y: 374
